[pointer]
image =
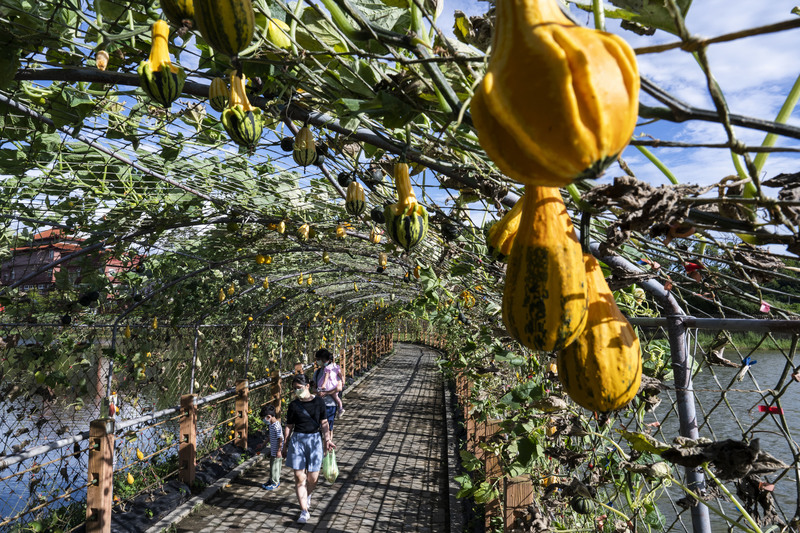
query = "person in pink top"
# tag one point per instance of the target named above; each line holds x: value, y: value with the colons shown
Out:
x: 329, y: 382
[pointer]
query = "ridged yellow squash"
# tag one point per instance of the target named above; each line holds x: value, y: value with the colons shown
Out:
x: 558, y: 102
x: 602, y: 369
x: 544, y: 301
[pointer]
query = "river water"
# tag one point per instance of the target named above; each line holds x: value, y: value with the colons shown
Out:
x: 60, y: 420
x: 736, y: 414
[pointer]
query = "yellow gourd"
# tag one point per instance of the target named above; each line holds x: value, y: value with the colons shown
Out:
x: 558, y: 102
x: 602, y: 369
x: 304, y: 232
x: 500, y: 237
x: 544, y: 301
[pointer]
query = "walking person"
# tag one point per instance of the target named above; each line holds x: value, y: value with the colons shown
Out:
x: 275, y: 447
x: 306, y: 435
x: 328, y: 381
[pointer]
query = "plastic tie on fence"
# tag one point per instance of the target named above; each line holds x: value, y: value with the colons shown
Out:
x: 771, y: 409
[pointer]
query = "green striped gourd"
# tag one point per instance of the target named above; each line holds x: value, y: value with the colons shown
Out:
x: 304, y: 150
x: 356, y: 202
x: 178, y: 12
x: 406, y: 220
x: 544, y: 301
x: 241, y: 120
x: 160, y: 79
x: 218, y: 95
x: 602, y: 369
x: 226, y: 25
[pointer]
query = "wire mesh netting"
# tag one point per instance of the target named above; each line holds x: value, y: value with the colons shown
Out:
x: 133, y: 234
x: 47, y: 407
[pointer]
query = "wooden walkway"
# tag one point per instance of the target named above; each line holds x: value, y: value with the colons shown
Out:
x: 392, y: 463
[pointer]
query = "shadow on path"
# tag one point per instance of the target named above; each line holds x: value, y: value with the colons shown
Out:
x: 390, y: 448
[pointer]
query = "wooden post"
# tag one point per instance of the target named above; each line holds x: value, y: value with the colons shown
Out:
x: 101, y: 476
x: 351, y: 362
x: 187, y: 447
x: 242, y: 419
x: 518, y: 495
x: 343, y: 367
x: 276, y: 392
x: 491, y: 464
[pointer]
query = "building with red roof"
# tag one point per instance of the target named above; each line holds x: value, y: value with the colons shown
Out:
x: 48, y: 247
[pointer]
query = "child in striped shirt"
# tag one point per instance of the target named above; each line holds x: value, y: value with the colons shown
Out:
x: 275, y: 446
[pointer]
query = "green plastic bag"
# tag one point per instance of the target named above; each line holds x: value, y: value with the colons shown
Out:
x: 329, y: 467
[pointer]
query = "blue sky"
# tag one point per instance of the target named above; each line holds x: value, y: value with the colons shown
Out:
x: 755, y: 74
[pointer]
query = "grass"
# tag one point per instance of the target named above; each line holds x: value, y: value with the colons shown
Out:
x: 747, y: 340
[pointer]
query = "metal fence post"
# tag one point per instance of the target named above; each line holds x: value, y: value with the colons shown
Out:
x: 280, y: 351
x: 247, y: 339
x: 684, y: 393
x: 194, y: 357
x: 682, y: 370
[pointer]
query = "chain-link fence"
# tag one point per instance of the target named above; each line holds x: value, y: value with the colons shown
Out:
x: 56, y: 379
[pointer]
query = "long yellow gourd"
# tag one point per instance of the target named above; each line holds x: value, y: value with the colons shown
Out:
x: 544, y: 301
x: 602, y: 369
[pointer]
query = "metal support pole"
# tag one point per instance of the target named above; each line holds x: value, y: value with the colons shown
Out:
x: 305, y: 355
x: 247, y: 338
x: 682, y: 370
x: 194, y: 358
x: 280, y: 352
x: 684, y: 392
x: 104, y: 405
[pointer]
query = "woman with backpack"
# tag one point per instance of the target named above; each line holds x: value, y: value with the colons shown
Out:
x: 306, y: 435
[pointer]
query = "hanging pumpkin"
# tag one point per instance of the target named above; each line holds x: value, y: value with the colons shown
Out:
x: 406, y: 220
x: 241, y: 120
x: 101, y: 60
x: 304, y: 232
x: 559, y: 102
x: 544, y: 301
x: 356, y: 202
x: 375, y: 236
x: 226, y: 25
x: 179, y: 12
x: 500, y: 236
x: 218, y: 95
x: 304, y: 150
x: 160, y: 79
x: 602, y: 369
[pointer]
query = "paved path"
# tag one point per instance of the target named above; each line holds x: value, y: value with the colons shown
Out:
x: 391, y: 454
